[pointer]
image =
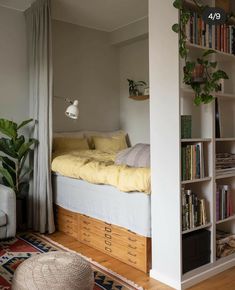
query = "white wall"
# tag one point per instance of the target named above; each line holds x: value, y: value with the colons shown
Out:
x: 85, y: 67
x: 14, y: 99
x: 134, y: 115
x: 165, y: 143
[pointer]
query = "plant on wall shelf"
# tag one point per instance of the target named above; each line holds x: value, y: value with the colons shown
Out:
x: 133, y: 87
x: 202, y: 74
x: 15, y: 149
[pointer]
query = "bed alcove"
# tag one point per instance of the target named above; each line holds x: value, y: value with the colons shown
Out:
x: 92, y: 64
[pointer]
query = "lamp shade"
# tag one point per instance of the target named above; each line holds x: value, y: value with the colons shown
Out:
x: 72, y: 111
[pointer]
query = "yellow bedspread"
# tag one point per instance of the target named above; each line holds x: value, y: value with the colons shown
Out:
x: 98, y: 167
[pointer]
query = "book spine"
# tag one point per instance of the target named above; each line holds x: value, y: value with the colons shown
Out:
x: 210, y: 36
x: 217, y: 205
x: 222, y: 38
x: 191, y: 27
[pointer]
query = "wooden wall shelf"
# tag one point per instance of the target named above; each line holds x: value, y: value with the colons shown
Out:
x: 139, y: 98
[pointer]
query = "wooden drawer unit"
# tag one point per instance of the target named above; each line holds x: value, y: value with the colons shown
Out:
x: 115, y: 241
x: 67, y: 222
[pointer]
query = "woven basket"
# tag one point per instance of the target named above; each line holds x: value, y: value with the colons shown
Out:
x: 54, y: 271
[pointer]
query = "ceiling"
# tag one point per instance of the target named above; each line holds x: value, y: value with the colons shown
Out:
x: 20, y: 5
x: 107, y: 15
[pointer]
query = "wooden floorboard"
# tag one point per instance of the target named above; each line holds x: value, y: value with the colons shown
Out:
x: 223, y: 281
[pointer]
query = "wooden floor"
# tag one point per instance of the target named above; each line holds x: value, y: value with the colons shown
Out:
x: 223, y: 281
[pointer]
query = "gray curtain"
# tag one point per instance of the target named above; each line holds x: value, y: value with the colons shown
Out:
x: 38, y: 21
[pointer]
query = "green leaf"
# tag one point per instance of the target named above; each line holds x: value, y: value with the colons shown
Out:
x: 208, y: 52
x: 176, y: 28
x: 25, y: 148
x: 18, y: 143
x: 190, y: 66
x: 213, y: 64
x: 219, y: 74
x: 197, y: 100
x: 7, y: 176
x: 24, y: 123
x: 178, y: 4
x: 7, y: 147
x: 9, y: 165
x: 8, y: 128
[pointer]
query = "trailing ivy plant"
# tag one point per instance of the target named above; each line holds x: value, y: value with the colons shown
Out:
x: 211, y: 83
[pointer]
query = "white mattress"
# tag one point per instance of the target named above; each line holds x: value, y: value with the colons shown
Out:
x: 104, y: 202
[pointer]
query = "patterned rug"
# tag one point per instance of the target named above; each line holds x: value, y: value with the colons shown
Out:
x: 15, y: 251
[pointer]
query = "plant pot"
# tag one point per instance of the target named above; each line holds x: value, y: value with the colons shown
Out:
x: 21, y: 212
x: 198, y: 74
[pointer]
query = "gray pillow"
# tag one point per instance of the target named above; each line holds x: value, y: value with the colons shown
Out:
x: 136, y: 156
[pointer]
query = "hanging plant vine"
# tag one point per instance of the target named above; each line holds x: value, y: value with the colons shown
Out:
x: 210, y: 83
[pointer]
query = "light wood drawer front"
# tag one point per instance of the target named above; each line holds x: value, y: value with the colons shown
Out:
x: 110, y: 239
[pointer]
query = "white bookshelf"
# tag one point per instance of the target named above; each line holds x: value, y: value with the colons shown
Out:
x: 170, y: 99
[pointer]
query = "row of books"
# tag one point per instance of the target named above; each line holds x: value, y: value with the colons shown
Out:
x: 224, y: 207
x: 193, y: 210
x: 192, y: 164
x: 225, y: 163
x: 220, y: 37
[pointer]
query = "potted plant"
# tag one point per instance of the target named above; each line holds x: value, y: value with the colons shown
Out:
x: 15, y: 149
x: 134, y: 87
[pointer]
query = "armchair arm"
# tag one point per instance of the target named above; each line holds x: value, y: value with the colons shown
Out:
x: 8, y: 205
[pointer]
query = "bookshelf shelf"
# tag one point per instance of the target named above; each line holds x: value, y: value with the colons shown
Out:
x: 220, y: 55
x: 225, y: 139
x: 228, y: 175
x: 207, y: 225
x: 226, y: 220
x: 225, y: 259
x: 225, y: 96
x: 196, y: 180
x: 194, y: 140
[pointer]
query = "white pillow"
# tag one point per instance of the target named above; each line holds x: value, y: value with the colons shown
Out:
x: 136, y: 156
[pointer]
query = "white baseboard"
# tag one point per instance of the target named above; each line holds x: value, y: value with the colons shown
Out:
x: 197, y: 278
x: 165, y: 280
x: 207, y: 274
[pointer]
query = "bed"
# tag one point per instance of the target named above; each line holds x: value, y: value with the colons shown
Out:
x: 114, y: 217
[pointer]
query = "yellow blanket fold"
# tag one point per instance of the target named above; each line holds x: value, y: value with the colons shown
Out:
x: 98, y: 167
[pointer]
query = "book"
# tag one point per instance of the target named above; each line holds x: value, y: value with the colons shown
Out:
x: 193, y: 210
x: 186, y: 126
x: 224, y: 208
x: 192, y: 161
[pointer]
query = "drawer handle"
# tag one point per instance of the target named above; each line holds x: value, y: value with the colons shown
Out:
x: 133, y: 262
x: 108, y: 249
x: 108, y: 236
x: 108, y: 230
x: 133, y: 255
x: 108, y: 243
x: 132, y: 240
x: 85, y: 240
x: 130, y: 246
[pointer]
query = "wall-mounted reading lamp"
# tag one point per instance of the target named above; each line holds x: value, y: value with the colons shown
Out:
x: 72, y: 111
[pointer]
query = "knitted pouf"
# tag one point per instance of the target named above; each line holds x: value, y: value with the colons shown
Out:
x: 54, y: 271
